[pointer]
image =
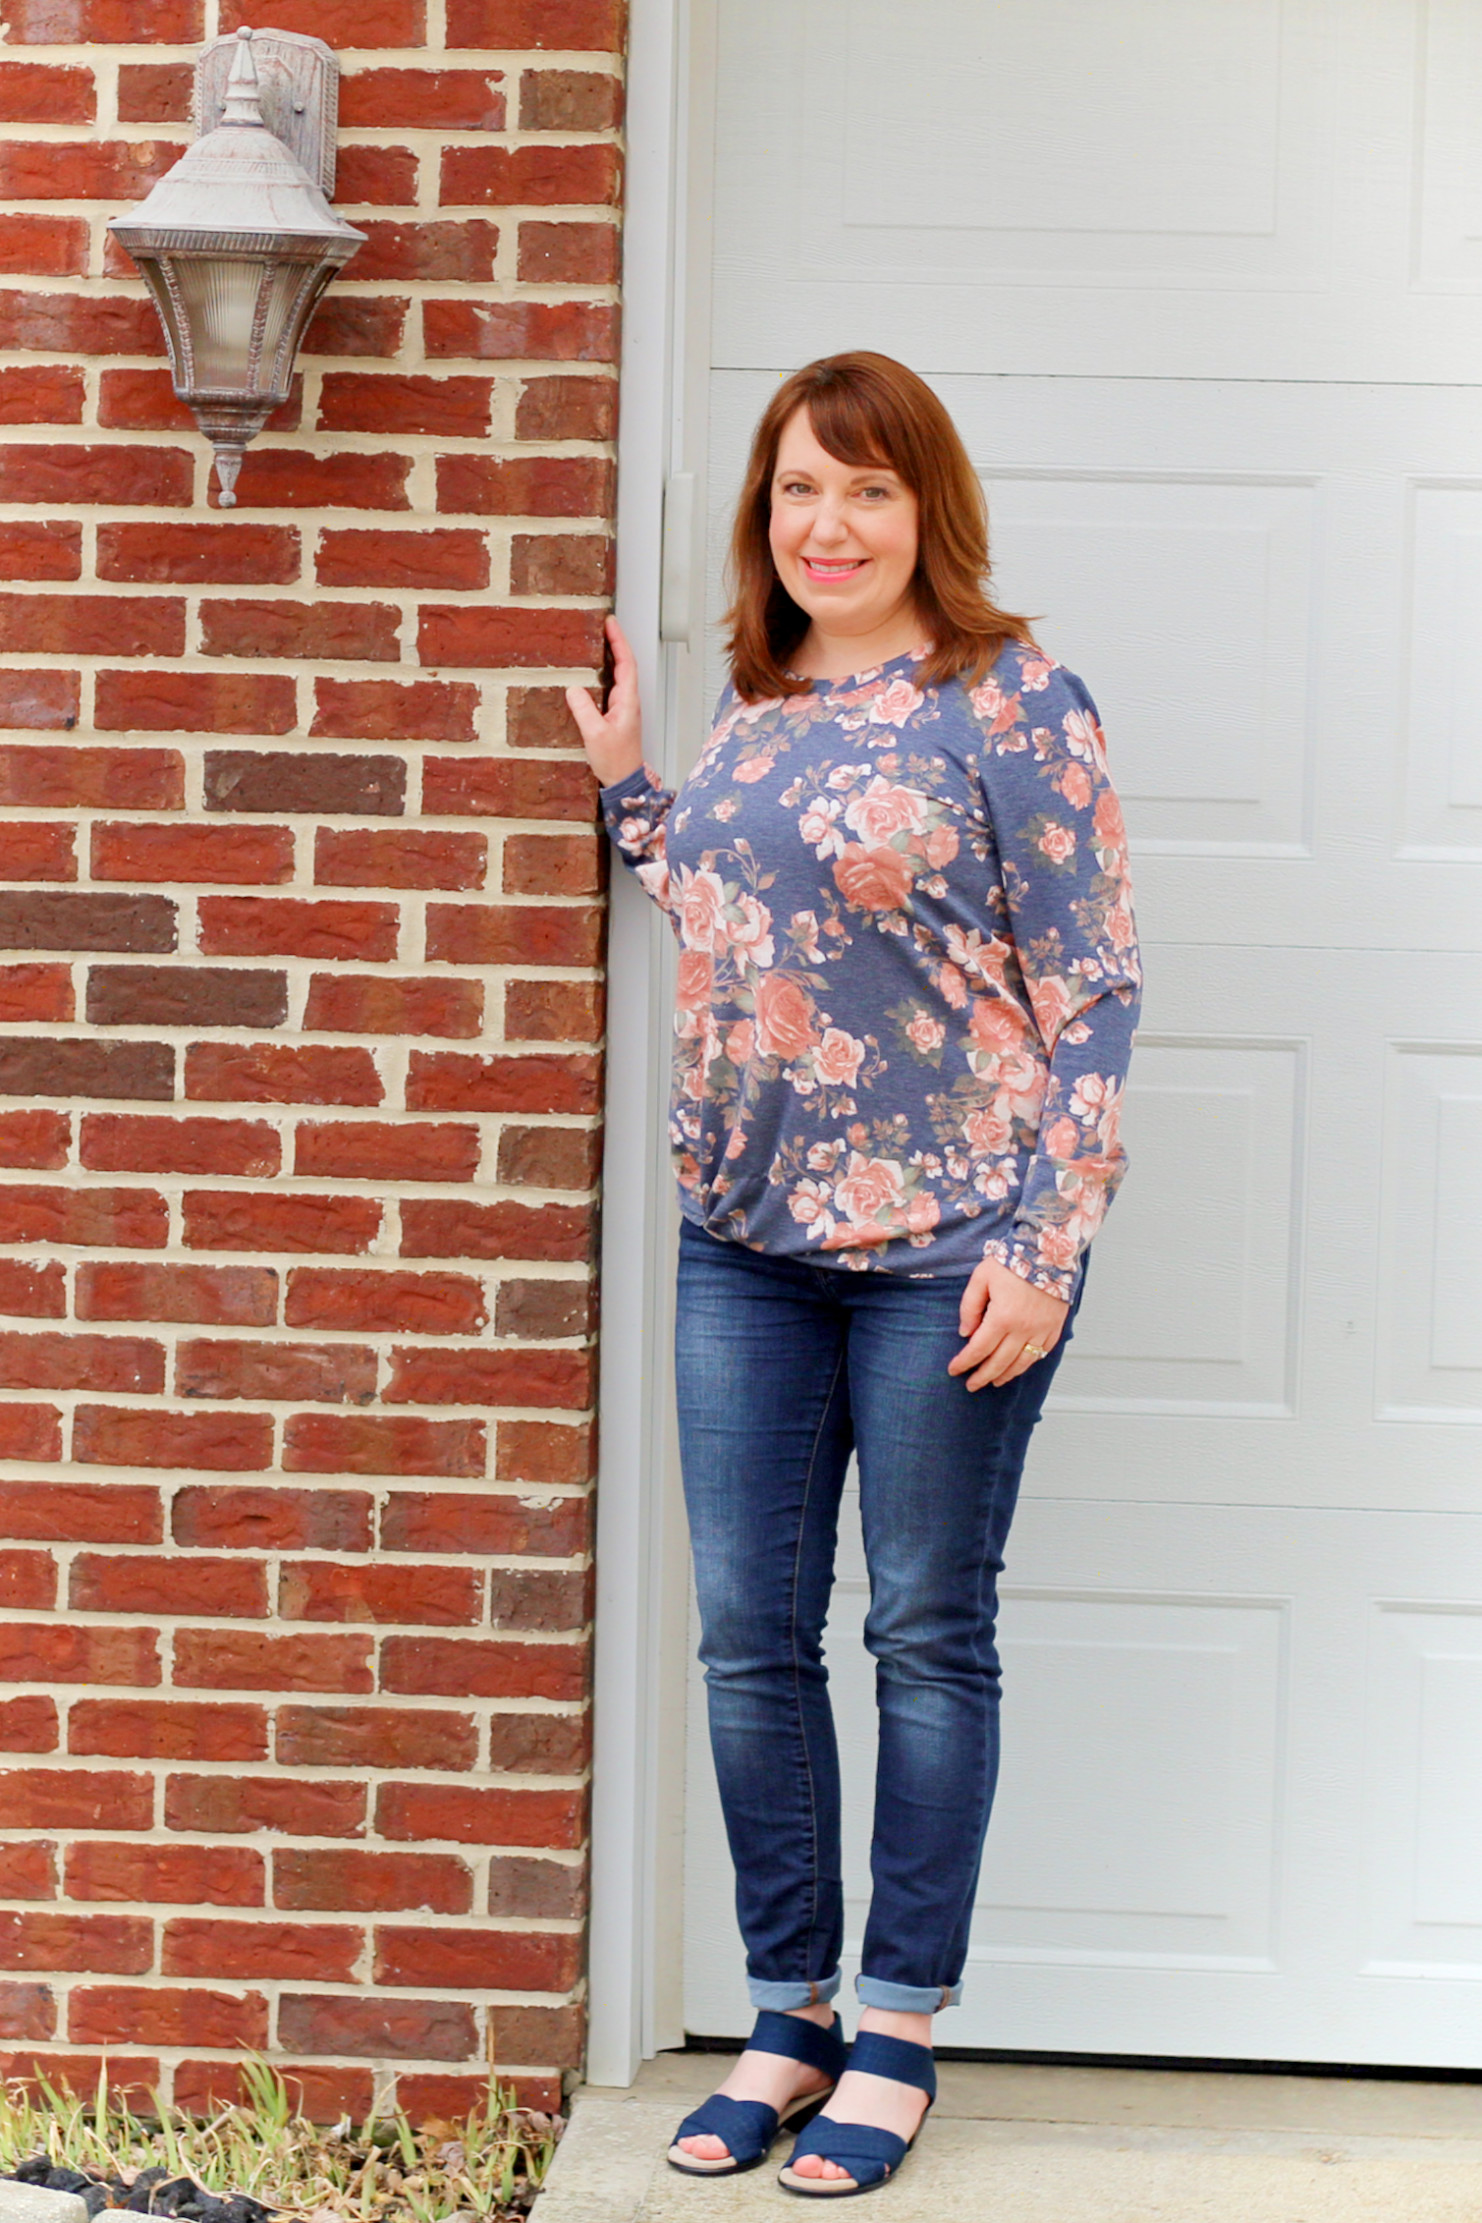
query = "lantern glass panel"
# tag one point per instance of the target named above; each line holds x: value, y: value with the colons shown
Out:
x: 218, y: 300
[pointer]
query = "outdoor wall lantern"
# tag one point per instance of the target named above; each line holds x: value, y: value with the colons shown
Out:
x: 238, y: 241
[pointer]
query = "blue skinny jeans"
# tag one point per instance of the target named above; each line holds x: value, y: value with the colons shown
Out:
x: 784, y: 1368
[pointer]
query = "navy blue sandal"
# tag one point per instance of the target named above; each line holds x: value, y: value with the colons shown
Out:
x: 749, y: 2128
x: 869, y: 2155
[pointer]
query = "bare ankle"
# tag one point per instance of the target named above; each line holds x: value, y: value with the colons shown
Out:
x: 820, y: 2011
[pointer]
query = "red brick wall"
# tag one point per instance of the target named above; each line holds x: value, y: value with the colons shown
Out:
x: 299, y: 927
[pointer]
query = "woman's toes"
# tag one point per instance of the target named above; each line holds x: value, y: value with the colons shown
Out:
x: 814, y: 2165
x: 705, y: 2148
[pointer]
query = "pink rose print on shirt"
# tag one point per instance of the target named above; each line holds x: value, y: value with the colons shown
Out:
x: 785, y: 1024
x: 1074, y: 784
x: 701, y: 905
x: 883, y: 811
x: 696, y: 980
x: 871, y: 1188
x: 896, y: 703
x: 750, y: 936
x: 875, y: 879
x: 926, y: 1033
x: 837, y: 1058
x: 1057, y: 843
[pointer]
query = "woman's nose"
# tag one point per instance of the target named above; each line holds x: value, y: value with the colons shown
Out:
x: 829, y: 523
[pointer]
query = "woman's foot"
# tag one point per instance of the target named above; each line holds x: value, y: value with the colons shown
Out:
x: 877, y: 2100
x: 768, y: 2077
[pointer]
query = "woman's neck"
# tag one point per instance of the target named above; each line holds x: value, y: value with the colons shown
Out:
x: 822, y: 655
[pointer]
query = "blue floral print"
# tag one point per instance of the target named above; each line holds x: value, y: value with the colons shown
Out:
x: 908, y: 970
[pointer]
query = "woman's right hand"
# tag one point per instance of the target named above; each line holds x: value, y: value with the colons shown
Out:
x: 613, y: 738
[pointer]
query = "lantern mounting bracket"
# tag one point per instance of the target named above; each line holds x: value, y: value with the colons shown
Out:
x: 298, y: 86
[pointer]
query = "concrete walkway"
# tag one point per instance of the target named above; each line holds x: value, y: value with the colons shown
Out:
x: 1012, y: 2144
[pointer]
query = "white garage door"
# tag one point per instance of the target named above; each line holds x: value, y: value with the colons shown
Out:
x: 1202, y: 283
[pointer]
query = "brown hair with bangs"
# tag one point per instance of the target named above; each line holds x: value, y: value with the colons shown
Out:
x: 867, y: 408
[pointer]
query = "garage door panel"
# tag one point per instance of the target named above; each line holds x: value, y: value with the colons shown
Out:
x: 1431, y: 1317
x: 1443, y: 818
x: 1425, y: 1807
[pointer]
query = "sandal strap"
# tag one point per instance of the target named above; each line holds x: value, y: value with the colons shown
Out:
x: 876, y: 2055
x: 866, y: 2153
x: 796, y: 2039
x: 746, y: 2128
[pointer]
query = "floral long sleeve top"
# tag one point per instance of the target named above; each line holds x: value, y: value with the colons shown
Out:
x: 908, y: 973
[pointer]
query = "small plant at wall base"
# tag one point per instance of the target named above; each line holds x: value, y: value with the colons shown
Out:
x: 261, y: 2158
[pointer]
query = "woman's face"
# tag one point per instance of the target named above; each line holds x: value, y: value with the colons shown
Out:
x: 843, y: 535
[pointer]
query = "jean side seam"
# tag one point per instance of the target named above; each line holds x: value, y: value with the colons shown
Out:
x: 797, y: 1680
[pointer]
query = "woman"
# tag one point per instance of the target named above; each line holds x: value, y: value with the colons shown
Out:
x: 907, y: 989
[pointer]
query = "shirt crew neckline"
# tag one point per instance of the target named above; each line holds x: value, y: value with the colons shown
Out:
x: 863, y: 678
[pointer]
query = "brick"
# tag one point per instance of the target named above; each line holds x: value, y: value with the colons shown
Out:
x: 103, y: 1944
x: 56, y: 920
x: 508, y: 787
x: 32, y: 1066
x: 431, y: 2098
x: 375, y: 1737
x: 250, y: 1519
x: 47, y: 701
x: 200, y: 555
x: 27, y: 2011
x: 33, y: 1292
x: 133, y: 1219
x: 567, y: 100
x: 537, y: 23
x: 359, y: 324
x: 33, y: 92
x: 35, y: 992
x: 554, y: 864
x: 270, y: 1073
x: 331, y: 1881
x: 89, y: 324
x: 419, y: 1304
x: 569, y: 254
x: 86, y: 170
x: 553, y: 1010
x: 166, y: 1729
x: 432, y: 100
x: 42, y: 393
x: 363, y: 1004
x: 326, y: 1373
x: 365, y: 857
x: 91, y: 625
x: 561, y: 563
x: 30, y: 1432
x: 290, y: 478
x: 160, y: 477
x: 92, y: 779
x: 365, y: 1150
x: 554, y: 2034
x: 483, y: 1960
x: 234, y: 1588
x: 104, y: 22
x: 567, y: 409
x: 34, y: 550
x: 155, y: 92
x: 427, y: 1812
x: 462, y: 1080
x: 541, y: 1451
x: 195, y: 702
x: 114, y: 1142
x: 323, y: 2095
x: 313, y: 1952
x: 34, y: 1139
x: 376, y: 177
x: 255, y: 926
x: 81, y: 1512
x: 505, y: 331
x: 548, y: 1890
x: 319, y: 1590
x: 215, y: 1296
x: 172, y: 1875
x: 104, y: 1436
x: 250, y: 855
x: 30, y: 1872
x: 542, y: 1600
x: 145, y: 400
x: 369, y: 1443
x: 530, y: 176
x: 186, y: 996
x: 28, y: 1580
x: 455, y: 557
x: 227, y: 1804
x: 466, y: 634
x: 388, y: 709
x: 297, y: 630
x: 454, y: 1229
x: 77, y: 1798
x: 241, y: 1659
x: 233, y: 1219
x: 132, y: 2078
x: 305, y: 780
x: 479, y: 1376
x: 455, y: 249
x: 112, y: 2014
x: 537, y: 1311
x: 38, y: 852
x: 28, y: 1724
x: 489, y: 1523
x: 427, y: 2030
x: 341, y: 22
x: 71, y: 1361
x: 382, y: 401
x: 455, y: 1667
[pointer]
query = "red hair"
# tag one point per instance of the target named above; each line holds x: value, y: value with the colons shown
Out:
x: 863, y: 409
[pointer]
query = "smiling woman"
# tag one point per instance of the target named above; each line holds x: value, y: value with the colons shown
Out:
x: 906, y: 992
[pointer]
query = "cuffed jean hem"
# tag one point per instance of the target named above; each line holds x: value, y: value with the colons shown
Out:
x: 906, y: 1999
x: 782, y: 1998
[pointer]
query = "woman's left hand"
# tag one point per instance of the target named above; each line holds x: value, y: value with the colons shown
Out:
x: 1009, y: 1326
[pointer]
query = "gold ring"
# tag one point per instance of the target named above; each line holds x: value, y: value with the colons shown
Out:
x: 1034, y: 1350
